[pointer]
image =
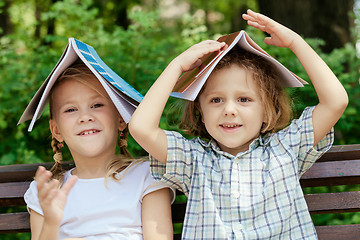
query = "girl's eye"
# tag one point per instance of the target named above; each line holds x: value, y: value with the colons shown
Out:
x: 97, y: 105
x: 216, y: 100
x: 244, y: 99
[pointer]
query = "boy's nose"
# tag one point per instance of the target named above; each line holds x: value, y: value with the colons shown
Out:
x: 230, y: 109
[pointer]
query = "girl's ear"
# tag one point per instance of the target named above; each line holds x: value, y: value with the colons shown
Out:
x: 55, y: 130
x: 122, y: 124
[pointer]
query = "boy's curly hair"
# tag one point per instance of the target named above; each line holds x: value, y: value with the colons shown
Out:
x: 277, y: 104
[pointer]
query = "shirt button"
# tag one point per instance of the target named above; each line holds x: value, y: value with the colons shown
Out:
x: 238, y: 226
x: 236, y: 194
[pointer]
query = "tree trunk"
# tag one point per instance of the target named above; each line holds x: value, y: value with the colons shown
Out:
x: 5, y: 22
x: 328, y: 20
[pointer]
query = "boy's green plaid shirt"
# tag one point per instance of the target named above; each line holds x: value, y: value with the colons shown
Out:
x: 254, y: 195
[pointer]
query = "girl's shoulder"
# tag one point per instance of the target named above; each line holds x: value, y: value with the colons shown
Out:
x: 137, y: 167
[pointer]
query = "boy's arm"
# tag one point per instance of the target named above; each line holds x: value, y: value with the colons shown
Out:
x: 144, y: 123
x: 332, y: 96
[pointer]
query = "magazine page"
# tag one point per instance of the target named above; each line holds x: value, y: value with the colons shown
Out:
x: 197, y: 81
x: 37, y: 103
x: 97, y: 63
x: 190, y: 84
x: 211, y: 59
x: 289, y: 79
x: 125, y: 108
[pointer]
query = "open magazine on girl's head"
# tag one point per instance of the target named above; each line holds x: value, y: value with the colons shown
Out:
x: 124, y: 96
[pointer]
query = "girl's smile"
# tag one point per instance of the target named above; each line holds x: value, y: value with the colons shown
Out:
x: 88, y: 132
x: 86, y: 119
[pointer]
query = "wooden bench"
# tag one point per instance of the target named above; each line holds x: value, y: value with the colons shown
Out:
x: 339, y: 166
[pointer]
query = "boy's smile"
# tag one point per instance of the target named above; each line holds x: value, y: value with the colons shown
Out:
x: 231, y: 108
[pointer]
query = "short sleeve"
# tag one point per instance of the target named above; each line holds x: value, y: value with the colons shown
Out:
x: 31, y: 198
x: 179, y: 164
x: 149, y: 183
x: 299, y: 136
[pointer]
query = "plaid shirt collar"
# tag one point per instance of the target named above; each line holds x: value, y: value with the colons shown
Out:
x: 260, y: 141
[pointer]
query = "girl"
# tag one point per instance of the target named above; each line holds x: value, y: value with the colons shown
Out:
x: 244, y: 182
x: 106, y: 196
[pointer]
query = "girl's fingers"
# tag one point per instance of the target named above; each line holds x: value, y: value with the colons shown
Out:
x: 51, y: 194
x: 69, y: 184
x: 45, y: 190
x: 42, y: 176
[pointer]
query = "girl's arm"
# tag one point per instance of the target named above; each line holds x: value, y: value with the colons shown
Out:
x: 332, y: 96
x: 156, y: 215
x: 144, y: 123
x: 52, y: 201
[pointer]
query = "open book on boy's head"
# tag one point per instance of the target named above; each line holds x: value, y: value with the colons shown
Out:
x: 190, y: 83
x: 124, y: 97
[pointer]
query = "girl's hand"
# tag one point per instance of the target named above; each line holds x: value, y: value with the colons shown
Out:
x: 190, y: 58
x: 280, y: 35
x: 52, y: 198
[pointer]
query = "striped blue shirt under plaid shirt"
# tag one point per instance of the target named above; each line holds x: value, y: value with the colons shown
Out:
x: 254, y: 195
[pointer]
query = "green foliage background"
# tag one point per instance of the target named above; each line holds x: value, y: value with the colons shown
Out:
x: 138, y: 54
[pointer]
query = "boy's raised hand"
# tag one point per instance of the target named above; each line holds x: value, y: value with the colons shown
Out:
x: 52, y: 198
x: 190, y: 58
x: 280, y: 35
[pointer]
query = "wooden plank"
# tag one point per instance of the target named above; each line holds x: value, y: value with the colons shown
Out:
x: 25, y: 172
x: 14, y: 222
x: 347, y: 168
x: 12, y: 194
x: 332, y: 173
x: 337, y: 232
x: 341, y: 152
x: 13, y: 190
x: 340, y: 202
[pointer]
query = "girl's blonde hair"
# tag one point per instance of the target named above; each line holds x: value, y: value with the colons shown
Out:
x: 80, y: 72
x: 277, y: 104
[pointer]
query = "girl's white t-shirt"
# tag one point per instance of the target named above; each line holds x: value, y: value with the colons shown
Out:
x: 95, y: 210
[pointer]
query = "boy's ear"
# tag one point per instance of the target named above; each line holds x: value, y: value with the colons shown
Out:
x: 122, y: 124
x: 55, y: 130
x: 266, y: 117
x: 197, y: 105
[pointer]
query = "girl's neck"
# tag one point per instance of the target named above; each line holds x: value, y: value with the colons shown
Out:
x: 87, y: 168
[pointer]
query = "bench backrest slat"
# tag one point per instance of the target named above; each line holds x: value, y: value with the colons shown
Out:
x: 337, y: 232
x: 332, y: 173
x: 341, y: 153
x: 333, y: 202
x: 14, y: 222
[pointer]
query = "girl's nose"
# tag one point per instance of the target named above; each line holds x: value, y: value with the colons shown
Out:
x: 86, y: 117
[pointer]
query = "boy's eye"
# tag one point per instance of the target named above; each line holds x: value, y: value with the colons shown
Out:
x: 70, y: 110
x: 216, y: 100
x: 97, y: 105
x: 244, y: 99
